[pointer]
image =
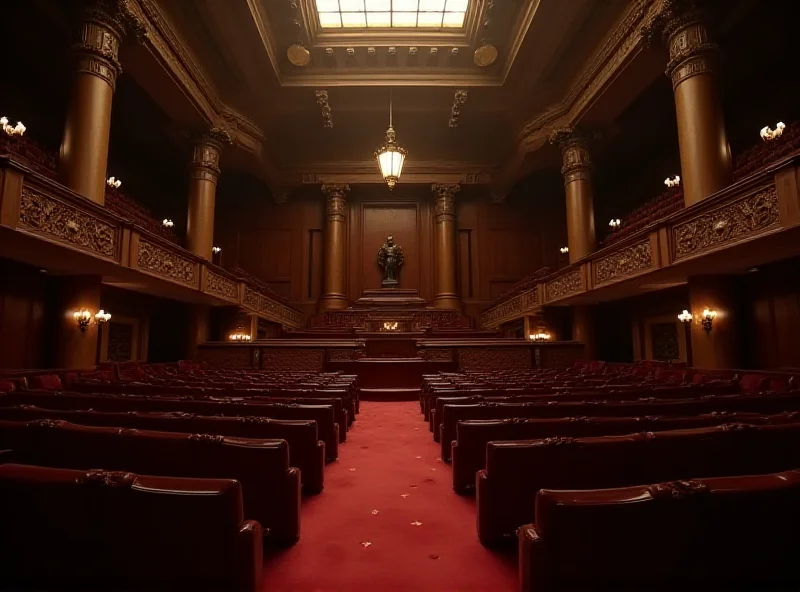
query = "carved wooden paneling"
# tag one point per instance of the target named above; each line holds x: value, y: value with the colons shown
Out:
x: 732, y: 222
x: 160, y: 261
x: 293, y: 358
x: 261, y: 303
x: 436, y: 354
x: 64, y: 223
x: 222, y: 286
x: 344, y: 355
x: 626, y: 262
x: 510, y: 309
x: 564, y: 285
x: 227, y: 357
x: 493, y: 358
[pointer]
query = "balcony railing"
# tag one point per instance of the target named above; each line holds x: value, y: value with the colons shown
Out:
x: 93, y: 237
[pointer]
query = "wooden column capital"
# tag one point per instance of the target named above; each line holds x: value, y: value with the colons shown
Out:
x: 445, y: 200
x: 685, y: 33
x: 105, y: 25
x: 336, y: 196
x: 206, y: 152
x: 575, y: 157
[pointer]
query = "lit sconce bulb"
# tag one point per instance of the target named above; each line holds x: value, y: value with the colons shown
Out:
x: 542, y: 336
x: 673, y: 181
x: 17, y: 130
x: 708, y: 319
x: 239, y: 336
x: 614, y: 223
x: 564, y: 250
x: 685, y: 317
x: 102, y: 316
x: 167, y: 223
x: 768, y: 134
x: 216, y: 250
x: 83, y: 317
x: 114, y: 182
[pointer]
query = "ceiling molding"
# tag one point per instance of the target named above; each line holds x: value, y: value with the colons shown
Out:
x: 623, y: 43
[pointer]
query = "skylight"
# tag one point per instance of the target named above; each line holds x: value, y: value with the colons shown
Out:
x: 391, y: 14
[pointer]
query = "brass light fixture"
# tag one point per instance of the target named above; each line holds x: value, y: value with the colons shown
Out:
x: 390, y: 156
x: 767, y: 133
x: 708, y: 319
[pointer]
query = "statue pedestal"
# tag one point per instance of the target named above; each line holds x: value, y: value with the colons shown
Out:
x: 390, y: 298
x: 389, y: 284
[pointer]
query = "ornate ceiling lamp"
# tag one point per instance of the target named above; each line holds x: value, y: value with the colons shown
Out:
x: 391, y: 156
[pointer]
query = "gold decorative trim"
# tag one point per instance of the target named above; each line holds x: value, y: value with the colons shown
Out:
x: 56, y: 220
x: 743, y: 218
x: 627, y: 262
x: 159, y: 261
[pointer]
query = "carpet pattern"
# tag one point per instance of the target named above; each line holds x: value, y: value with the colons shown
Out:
x: 388, y: 520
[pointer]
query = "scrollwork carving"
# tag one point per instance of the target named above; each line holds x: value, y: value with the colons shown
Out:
x: 743, y: 218
x: 47, y: 216
x: 159, y: 261
x: 564, y: 285
x: 222, y: 286
x: 623, y: 263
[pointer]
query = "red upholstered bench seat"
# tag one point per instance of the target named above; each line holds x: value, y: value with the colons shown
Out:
x: 452, y: 414
x: 306, y: 452
x: 469, y: 449
x: 270, y: 487
x: 322, y: 414
x: 77, y: 530
x: 516, y: 470
x: 725, y: 533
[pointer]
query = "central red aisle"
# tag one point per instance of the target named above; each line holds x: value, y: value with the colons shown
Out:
x: 421, y: 538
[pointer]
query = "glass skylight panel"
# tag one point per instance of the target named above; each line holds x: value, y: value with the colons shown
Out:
x: 373, y: 14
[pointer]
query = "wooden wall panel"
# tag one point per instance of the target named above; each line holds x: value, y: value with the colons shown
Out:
x: 402, y: 222
x: 25, y: 341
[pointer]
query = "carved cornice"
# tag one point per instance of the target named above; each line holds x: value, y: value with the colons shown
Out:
x: 336, y: 196
x: 367, y: 171
x: 626, y: 262
x: 64, y: 223
x: 741, y: 219
x: 444, y: 201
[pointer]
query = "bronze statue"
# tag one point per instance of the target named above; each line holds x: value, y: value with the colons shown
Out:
x: 390, y: 259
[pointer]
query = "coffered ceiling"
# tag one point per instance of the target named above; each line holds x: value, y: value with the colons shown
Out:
x: 320, y: 96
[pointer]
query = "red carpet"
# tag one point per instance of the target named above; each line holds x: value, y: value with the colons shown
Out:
x: 425, y: 541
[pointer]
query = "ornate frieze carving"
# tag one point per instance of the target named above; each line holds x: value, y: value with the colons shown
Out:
x: 60, y: 221
x: 740, y: 219
x: 511, y: 308
x: 628, y: 261
x: 336, y: 209
x: 159, y: 261
x: 445, y: 201
x: 564, y: 285
x: 222, y: 286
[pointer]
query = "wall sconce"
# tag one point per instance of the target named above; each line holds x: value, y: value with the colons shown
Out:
x: 564, y: 250
x: 83, y: 317
x: 544, y: 336
x: 17, y: 130
x: 167, y: 223
x: 113, y: 182
x: 216, y: 250
x: 102, y: 317
x: 672, y: 181
x: 614, y: 223
x: 708, y: 319
x: 685, y: 316
x: 390, y: 326
x: 768, y: 134
x: 240, y: 335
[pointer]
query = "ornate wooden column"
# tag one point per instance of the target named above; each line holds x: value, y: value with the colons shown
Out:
x: 335, y: 249
x: 577, y: 171
x: 705, y: 153
x: 84, y: 147
x: 204, y: 173
x: 445, y: 287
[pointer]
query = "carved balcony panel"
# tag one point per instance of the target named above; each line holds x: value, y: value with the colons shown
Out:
x: 511, y: 309
x: 219, y: 285
x: 159, y: 261
x: 57, y: 221
x: 626, y: 262
x: 565, y: 285
x: 730, y: 223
